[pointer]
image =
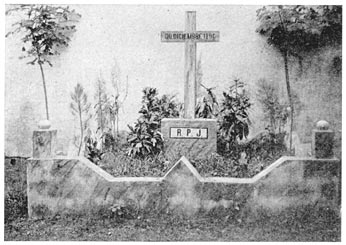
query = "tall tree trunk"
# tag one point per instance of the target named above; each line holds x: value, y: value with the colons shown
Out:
x: 285, y: 54
x: 81, y: 128
x: 44, y: 88
x: 117, y: 123
x: 100, y: 108
x: 300, y: 61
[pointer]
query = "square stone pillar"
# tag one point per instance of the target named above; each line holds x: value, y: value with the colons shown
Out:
x: 44, y: 143
x: 322, y: 141
x: 192, y: 138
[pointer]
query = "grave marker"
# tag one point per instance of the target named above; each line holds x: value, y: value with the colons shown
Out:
x: 190, y: 37
x: 194, y: 138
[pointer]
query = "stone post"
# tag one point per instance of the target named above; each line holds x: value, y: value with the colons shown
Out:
x: 44, y: 142
x: 322, y: 141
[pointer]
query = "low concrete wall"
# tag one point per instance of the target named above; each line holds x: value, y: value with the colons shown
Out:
x: 60, y: 185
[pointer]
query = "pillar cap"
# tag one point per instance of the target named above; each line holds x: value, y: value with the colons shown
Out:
x: 44, y: 124
x: 322, y: 125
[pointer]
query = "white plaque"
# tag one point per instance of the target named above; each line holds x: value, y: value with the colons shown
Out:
x: 189, y: 133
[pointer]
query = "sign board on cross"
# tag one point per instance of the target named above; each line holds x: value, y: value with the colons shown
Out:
x: 190, y: 37
x: 198, y: 36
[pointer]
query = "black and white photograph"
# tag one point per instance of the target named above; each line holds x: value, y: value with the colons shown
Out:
x: 150, y: 122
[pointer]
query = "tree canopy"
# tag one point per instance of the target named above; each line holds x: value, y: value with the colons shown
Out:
x: 297, y: 29
x: 47, y: 30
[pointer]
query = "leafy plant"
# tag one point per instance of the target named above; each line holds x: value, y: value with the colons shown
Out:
x: 234, y: 118
x: 109, y: 142
x: 92, y: 152
x: 47, y: 31
x: 145, y: 137
x: 168, y: 107
x: 150, y: 108
x: 80, y: 107
x: 207, y: 106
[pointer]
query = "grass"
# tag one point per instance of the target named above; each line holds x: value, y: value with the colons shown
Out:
x: 168, y: 228
x: 15, y: 189
x: 243, y: 160
x: 292, y: 225
x: 119, y: 164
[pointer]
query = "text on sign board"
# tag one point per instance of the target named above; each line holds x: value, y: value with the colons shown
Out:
x: 194, y: 133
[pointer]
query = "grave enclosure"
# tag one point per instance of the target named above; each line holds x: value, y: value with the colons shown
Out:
x: 65, y: 184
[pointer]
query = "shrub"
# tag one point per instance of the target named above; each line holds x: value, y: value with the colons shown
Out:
x: 109, y: 141
x: 91, y: 151
x: 145, y: 137
x: 233, y: 118
x: 167, y: 107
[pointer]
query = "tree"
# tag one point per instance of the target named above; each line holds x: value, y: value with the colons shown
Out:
x: 101, y: 105
x: 47, y: 31
x: 274, y: 110
x: 297, y: 30
x: 117, y: 102
x: 80, y: 107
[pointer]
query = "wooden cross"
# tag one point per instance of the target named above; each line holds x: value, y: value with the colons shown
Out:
x: 190, y: 36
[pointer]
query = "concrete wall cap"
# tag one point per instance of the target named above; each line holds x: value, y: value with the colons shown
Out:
x: 45, y: 130
x: 187, y: 119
